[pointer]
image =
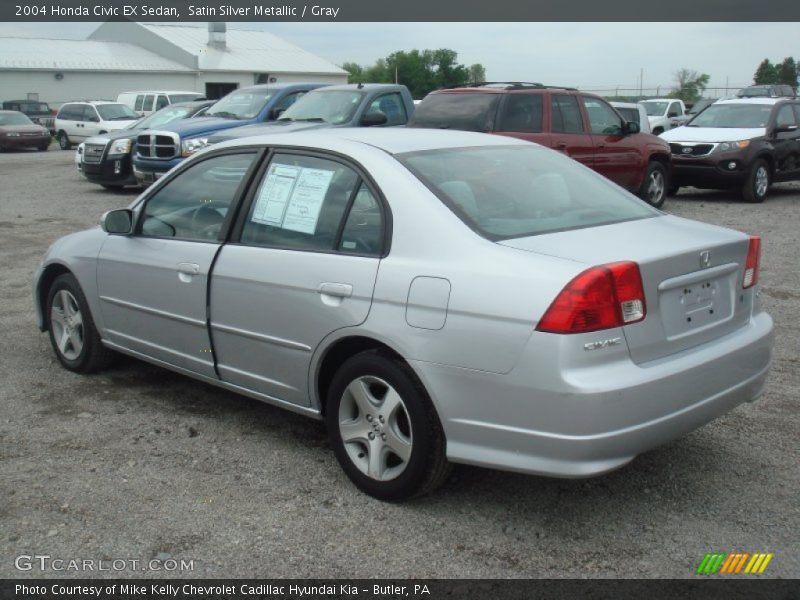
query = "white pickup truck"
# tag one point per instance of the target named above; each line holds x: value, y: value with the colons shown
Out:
x: 664, y: 114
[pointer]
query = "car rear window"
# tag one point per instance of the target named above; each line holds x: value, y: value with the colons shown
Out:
x: 505, y: 192
x: 467, y: 112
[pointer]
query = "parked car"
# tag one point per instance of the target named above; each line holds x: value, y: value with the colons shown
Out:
x: 38, y: 112
x: 664, y: 114
x: 699, y: 106
x: 144, y: 103
x: 767, y: 91
x: 581, y: 125
x: 744, y: 143
x: 158, y: 151
x: 77, y: 121
x: 434, y: 296
x: 631, y: 111
x: 106, y: 159
x: 353, y: 105
x: 18, y: 131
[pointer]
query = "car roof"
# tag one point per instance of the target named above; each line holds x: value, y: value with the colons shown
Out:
x: 505, y: 88
x: 162, y: 92
x: 391, y: 140
x: 753, y: 100
x: 359, y: 86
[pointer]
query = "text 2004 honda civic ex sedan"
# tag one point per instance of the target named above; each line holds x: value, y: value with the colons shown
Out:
x: 435, y: 296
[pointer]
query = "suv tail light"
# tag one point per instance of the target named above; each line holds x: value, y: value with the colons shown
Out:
x: 752, y: 264
x: 601, y: 297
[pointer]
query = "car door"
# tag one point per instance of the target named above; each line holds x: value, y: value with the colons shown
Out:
x: 153, y: 283
x: 303, y: 264
x: 91, y: 122
x: 68, y: 117
x: 616, y: 155
x: 786, y: 142
x: 568, y: 131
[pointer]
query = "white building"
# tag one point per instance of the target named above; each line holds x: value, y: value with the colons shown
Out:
x: 128, y: 56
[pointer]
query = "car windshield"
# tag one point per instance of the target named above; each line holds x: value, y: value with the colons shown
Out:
x: 655, y: 109
x: 335, y: 107
x: 466, y: 112
x: 733, y: 116
x: 14, y: 119
x: 163, y: 116
x: 629, y: 114
x: 35, y: 107
x: 698, y: 106
x: 116, y: 112
x: 242, y: 105
x: 505, y: 192
x: 175, y: 98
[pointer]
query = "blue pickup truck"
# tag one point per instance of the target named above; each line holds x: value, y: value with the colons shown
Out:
x: 157, y: 151
x: 351, y: 105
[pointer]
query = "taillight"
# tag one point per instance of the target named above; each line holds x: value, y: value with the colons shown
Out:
x: 601, y: 297
x: 752, y: 263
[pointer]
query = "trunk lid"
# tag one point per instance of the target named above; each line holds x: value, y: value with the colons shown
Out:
x: 692, y: 276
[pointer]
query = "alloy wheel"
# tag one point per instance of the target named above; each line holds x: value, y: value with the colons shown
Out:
x: 761, y: 182
x: 67, y: 323
x: 655, y: 187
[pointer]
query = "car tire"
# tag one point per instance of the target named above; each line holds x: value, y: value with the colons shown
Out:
x: 63, y: 140
x: 757, y: 185
x: 73, y: 334
x: 111, y: 188
x: 44, y: 148
x: 654, y: 186
x: 384, y: 429
x: 673, y: 190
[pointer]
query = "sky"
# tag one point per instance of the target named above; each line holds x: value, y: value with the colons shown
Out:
x: 597, y: 56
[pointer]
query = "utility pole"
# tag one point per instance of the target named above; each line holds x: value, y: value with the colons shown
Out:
x: 641, y: 82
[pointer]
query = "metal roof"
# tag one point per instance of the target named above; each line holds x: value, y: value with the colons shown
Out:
x: 81, y: 55
x: 244, y: 50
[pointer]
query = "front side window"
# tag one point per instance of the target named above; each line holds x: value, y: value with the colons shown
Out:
x: 565, y: 114
x: 462, y: 111
x: 161, y: 102
x: 194, y: 205
x: 139, y: 104
x: 523, y: 113
x: 602, y: 118
x: 785, y: 116
x: 516, y: 191
x: 392, y: 106
x: 675, y: 109
x: 335, y: 107
x: 301, y: 203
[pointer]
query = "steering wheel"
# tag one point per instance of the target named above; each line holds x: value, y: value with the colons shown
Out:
x: 206, y: 222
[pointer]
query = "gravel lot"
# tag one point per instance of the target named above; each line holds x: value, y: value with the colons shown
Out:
x: 139, y: 463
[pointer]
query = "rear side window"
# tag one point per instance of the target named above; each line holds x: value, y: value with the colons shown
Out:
x: 71, y: 112
x: 565, y: 114
x: 301, y: 203
x: 602, y: 118
x: 148, y: 102
x: 505, y: 192
x: 467, y: 112
x: 139, y: 104
x: 521, y: 112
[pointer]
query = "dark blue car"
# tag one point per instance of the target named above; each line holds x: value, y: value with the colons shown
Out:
x: 157, y: 151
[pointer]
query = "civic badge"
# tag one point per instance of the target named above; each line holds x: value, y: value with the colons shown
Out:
x: 705, y: 259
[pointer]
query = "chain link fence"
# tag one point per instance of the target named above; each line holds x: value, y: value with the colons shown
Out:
x: 634, y: 94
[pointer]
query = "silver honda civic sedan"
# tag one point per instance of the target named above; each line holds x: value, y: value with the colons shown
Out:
x: 434, y: 296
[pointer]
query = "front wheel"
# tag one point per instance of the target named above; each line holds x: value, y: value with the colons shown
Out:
x: 757, y: 185
x: 654, y: 186
x: 63, y: 141
x: 384, y: 429
x: 72, y: 332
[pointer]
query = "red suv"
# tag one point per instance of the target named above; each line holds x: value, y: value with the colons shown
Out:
x: 581, y: 125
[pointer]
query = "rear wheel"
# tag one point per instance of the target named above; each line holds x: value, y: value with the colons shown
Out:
x: 654, y: 186
x: 757, y: 185
x: 43, y: 148
x: 72, y: 332
x: 673, y: 190
x: 63, y: 140
x: 383, y: 428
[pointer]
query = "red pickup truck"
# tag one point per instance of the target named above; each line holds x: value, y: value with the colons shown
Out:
x: 581, y: 125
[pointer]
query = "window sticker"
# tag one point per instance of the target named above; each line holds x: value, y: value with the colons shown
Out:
x: 291, y: 197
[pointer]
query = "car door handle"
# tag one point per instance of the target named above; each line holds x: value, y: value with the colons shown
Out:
x: 561, y: 145
x: 189, y: 268
x: 338, y: 290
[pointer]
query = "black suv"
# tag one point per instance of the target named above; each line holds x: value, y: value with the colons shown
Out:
x: 583, y: 126
x: 744, y: 143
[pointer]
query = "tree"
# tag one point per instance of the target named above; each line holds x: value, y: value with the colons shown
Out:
x: 787, y: 72
x: 420, y: 70
x: 767, y: 73
x: 690, y: 85
x: 477, y: 73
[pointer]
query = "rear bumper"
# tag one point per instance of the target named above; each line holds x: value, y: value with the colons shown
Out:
x: 545, y: 418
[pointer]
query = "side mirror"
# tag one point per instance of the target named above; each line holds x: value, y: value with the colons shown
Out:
x: 373, y: 118
x: 632, y: 127
x: 118, y: 221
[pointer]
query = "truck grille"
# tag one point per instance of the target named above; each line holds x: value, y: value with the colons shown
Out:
x: 691, y: 149
x: 93, y: 153
x: 158, y: 145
